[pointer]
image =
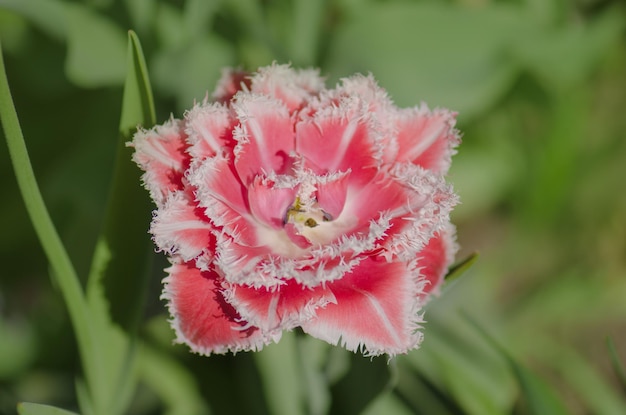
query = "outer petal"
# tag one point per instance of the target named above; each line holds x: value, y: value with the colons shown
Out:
x: 427, y: 138
x: 161, y: 153
x: 180, y: 227
x: 427, y: 211
x: 202, y: 318
x: 265, y: 137
x: 238, y: 263
x: 375, y: 309
x: 292, y: 87
x: 377, y: 103
x: 283, y: 307
x: 231, y: 82
x: 210, y: 129
x: 434, y: 260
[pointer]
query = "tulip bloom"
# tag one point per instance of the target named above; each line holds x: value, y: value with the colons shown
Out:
x: 283, y: 204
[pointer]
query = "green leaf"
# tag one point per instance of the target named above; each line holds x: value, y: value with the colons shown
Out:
x: 96, y: 49
x: 123, y: 250
x: 538, y: 395
x: 25, y: 408
x: 138, y: 102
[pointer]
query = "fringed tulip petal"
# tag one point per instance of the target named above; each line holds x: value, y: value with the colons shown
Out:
x: 201, y: 316
x: 339, y: 139
x: 223, y: 197
x: 427, y: 138
x: 181, y: 228
x: 268, y: 203
x: 293, y: 88
x: 374, y: 310
x: 435, y: 258
x: 209, y: 129
x: 161, y: 154
x: 231, y: 82
x: 265, y: 136
x: 278, y: 308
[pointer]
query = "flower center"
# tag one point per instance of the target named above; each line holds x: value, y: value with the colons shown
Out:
x: 309, y: 221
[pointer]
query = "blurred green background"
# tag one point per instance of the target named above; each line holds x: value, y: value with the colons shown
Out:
x: 540, y: 87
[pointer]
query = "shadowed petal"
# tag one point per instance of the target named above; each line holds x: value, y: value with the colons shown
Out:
x: 269, y: 204
x: 202, y: 318
x: 224, y: 199
x: 265, y: 137
x: 331, y: 194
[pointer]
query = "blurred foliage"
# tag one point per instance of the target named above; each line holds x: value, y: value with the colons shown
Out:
x: 540, y: 86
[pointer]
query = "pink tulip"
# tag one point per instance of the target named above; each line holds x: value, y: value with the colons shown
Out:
x: 284, y: 204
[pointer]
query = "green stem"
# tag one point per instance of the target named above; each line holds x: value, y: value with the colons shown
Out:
x: 63, y: 270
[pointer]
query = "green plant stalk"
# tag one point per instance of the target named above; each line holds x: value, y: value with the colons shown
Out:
x: 63, y: 270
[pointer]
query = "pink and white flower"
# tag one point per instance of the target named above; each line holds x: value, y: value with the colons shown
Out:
x: 284, y: 204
